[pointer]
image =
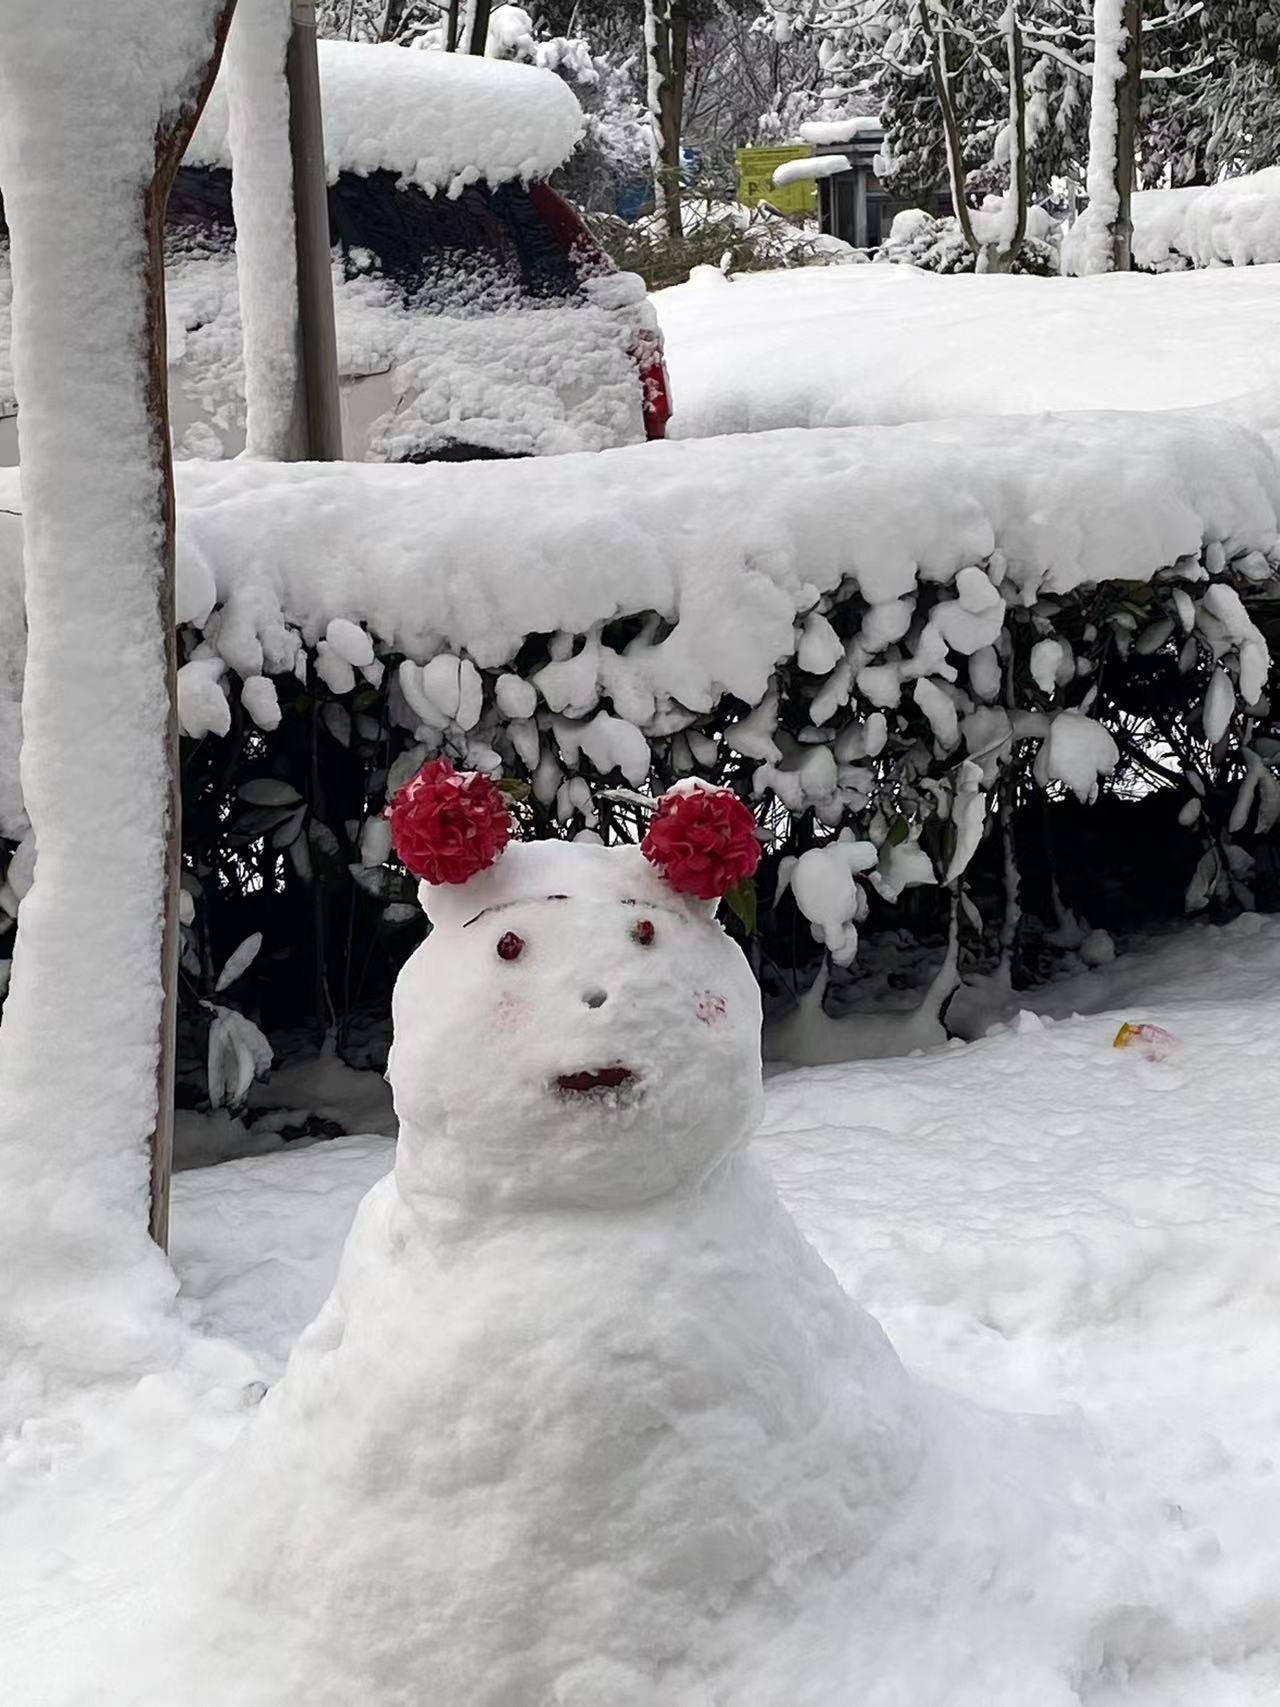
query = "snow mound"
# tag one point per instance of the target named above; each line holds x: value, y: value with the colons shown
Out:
x: 1233, y: 223
x: 777, y: 351
x: 439, y: 120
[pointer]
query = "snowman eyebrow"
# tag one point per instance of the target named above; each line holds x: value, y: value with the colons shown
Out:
x: 501, y: 907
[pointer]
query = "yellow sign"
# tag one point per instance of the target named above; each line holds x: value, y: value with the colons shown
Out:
x: 756, y: 167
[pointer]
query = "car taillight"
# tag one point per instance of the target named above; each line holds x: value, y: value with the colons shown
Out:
x: 655, y: 386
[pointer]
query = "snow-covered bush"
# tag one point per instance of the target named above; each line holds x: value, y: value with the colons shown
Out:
x: 721, y: 234
x: 1235, y: 223
x: 882, y: 640
x: 920, y: 239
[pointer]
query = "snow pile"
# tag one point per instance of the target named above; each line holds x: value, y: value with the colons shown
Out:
x: 776, y: 349
x: 438, y: 120
x: 1234, y: 223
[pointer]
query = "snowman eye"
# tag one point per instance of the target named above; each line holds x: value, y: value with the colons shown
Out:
x: 643, y: 932
x: 510, y: 946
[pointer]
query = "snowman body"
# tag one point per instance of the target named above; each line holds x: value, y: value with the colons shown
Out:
x: 585, y: 1421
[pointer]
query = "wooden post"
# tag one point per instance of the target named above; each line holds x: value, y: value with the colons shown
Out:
x: 1128, y: 97
x: 311, y: 229
x: 171, y: 145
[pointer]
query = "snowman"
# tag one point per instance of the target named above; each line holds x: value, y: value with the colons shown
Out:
x: 585, y: 1421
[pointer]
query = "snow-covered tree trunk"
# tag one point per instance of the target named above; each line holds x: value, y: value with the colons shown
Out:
x: 96, y: 104
x: 266, y: 256
x: 934, y: 32
x: 1102, y: 239
x: 666, y: 36
x: 998, y: 253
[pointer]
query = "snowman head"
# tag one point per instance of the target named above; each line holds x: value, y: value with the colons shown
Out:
x: 576, y: 1030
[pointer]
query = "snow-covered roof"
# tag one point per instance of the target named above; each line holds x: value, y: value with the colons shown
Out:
x: 440, y: 120
x: 1236, y: 223
x: 822, y: 132
x: 820, y: 166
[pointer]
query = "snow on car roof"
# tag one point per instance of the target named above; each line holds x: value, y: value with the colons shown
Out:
x: 439, y: 120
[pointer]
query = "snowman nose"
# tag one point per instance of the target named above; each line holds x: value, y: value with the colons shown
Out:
x: 595, y: 998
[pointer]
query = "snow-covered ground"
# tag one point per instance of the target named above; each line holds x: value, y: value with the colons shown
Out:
x: 851, y: 346
x: 1044, y: 1224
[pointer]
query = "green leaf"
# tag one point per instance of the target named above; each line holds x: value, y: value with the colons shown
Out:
x: 513, y: 788
x: 742, y: 903
x: 899, y: 830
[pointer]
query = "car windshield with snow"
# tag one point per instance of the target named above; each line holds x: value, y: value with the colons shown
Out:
x: 476, y: 317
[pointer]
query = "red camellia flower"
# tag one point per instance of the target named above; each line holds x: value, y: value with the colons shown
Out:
x: 447, y: 825
x: 703, y: 842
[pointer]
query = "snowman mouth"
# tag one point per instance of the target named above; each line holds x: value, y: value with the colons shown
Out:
x: 598, y: 1082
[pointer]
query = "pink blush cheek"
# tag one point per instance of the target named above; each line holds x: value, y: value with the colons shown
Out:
x: 710, y: 1008
x: 511, y: 1013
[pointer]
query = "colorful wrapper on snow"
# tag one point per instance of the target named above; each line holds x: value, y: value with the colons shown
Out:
x: 1151, y: 1041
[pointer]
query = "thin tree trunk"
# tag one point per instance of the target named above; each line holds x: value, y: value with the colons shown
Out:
x: 478, y: 39
x: 1128, y: 96
x: 667, y: 47
x: 935, y: 36
x: 1019, y: 184
x: 946, y: 980
x: 171, y: 145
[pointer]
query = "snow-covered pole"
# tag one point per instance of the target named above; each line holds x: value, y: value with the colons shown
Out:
x: 262, y: 199
x: 96, y: 107
x: 311, y: 227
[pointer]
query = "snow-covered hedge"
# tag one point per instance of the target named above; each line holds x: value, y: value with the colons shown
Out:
x: 868, y: 632
x: 1234, y: 223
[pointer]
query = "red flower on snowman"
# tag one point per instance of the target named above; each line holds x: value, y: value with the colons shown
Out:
x: 702, y: 840
x: 447, y: 825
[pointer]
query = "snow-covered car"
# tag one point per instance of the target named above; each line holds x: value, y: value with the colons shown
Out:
x: 476, y: 316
